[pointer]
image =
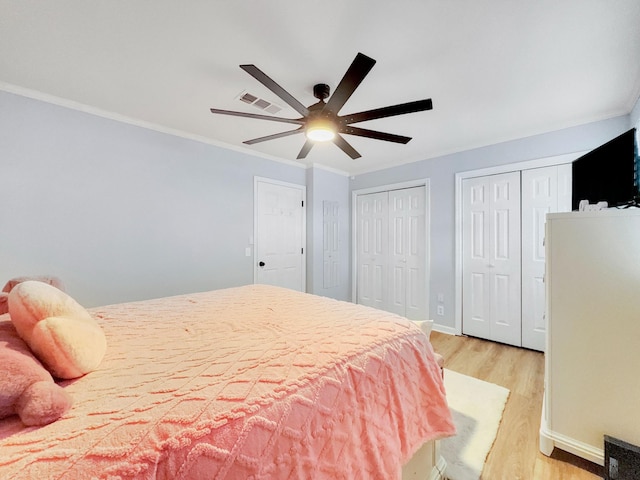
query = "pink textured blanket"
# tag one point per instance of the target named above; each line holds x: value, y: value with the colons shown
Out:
x: 253, y: 382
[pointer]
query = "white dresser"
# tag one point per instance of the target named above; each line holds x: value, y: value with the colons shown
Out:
x: 592, y: 375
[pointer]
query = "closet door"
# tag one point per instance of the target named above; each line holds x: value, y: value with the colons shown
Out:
x: 491, y: 281
x: 544, y: 190
x: 407, y: 253
x: 372, y: 245
x: 391, y: 251
x: 330, y: 244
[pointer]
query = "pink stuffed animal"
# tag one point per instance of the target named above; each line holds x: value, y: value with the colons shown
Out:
x: 4, y: 304
x: 4, y: 295
x: 59, y: 331
x: 26, y: 388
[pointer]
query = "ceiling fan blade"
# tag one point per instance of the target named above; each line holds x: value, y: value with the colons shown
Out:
x: 305, y: 150
x: 273, y: 137
x: 356, y: 72
x: 346, y: 147
x: 264, y: 79
x: 400, y: 109
x: 363, y: 132
x: 295, y: 121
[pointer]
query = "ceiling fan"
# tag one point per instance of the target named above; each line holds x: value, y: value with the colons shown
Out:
x: 320, y: 121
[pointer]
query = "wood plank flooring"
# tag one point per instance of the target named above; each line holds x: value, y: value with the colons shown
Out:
x: 515, y: 454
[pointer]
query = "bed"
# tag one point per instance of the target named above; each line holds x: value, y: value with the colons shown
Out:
x: 253, y: 382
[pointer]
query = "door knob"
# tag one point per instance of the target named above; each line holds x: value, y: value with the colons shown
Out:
x: 261, y: 264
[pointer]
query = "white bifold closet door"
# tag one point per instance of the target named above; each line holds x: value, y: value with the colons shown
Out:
x: 330, y: 244
x: 391, y: 252
x: 544, y: 190
x: 491, y: 258
x: 372, y: 246
x: 503, y: 252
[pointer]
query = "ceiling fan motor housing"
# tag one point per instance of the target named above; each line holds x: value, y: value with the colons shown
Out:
x: 321, y: 91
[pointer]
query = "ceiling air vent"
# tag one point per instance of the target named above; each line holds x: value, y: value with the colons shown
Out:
x: 259, y: 103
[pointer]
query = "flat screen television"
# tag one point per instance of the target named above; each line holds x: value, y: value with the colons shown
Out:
x: 608, y: 173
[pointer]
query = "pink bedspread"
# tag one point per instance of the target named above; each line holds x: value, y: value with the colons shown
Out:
x: 254, y: 382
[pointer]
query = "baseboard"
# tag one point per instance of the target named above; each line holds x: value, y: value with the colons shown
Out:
x: 549, y: 438
x: 438, y: 471
x: 426, y: 463
x: 445, y: 329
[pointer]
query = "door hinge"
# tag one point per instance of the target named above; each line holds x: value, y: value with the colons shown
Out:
x: 302, y: 251
x: 303, y: 203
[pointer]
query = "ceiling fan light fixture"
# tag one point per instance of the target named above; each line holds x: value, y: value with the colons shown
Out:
x: 322, y: 122
x: 320, y: 130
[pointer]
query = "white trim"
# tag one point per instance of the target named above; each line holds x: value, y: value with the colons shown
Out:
x: 303, y: 189
x: 426, y: 183
x: 328, y: 169
x: 98, y: 112
x: 444, y: 329
x: 439, y: 470
x: 571, y: 445
x: 272, y: 181
x: 426, y: 463
x: 389, y: 187
x: 526, y: 165
x: 460, y: 176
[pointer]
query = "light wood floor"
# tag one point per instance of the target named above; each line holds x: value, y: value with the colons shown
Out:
x: 515, y: 454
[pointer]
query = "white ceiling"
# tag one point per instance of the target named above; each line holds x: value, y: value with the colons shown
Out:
x: 496, y: 69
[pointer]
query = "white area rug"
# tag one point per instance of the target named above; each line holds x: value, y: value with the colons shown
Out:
x: 477, y: 408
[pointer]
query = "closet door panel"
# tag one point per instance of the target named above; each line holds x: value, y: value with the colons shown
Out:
x: 391, y: 252
x: 408, y: 255
x: 491, y: 258
x: 372, y: 247
x: 331, y: 244
x: 504, y: 262
x: 397, y: 240
x: 544, y: 190
x: 417, y: 300
x: 476, y: 312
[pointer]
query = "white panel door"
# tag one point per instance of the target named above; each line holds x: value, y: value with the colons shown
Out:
x: 407, y: 253
x: 391, y: 262
x: 491, y: 258
x: 372, y: 245
x: 280, y: 235
x: 544, y: 190
x: 330, y: 244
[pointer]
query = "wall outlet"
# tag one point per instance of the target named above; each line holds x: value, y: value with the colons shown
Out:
x: 441, y: 298
x: 440, y: 310
x: 613, y: 469
x: 621, y: 460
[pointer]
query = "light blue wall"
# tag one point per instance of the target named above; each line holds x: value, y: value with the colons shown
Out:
x: 323, y: 185
x: 125, y: 213
x: 441, y: 172
x: 634, y: 116
x: 120, y: 212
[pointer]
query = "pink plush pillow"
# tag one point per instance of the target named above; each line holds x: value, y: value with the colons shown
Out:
x: 4, y: 295
x: 59, y: 331
x: 26, y: 388
x: 4, y: 307
x: 50, y: 279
